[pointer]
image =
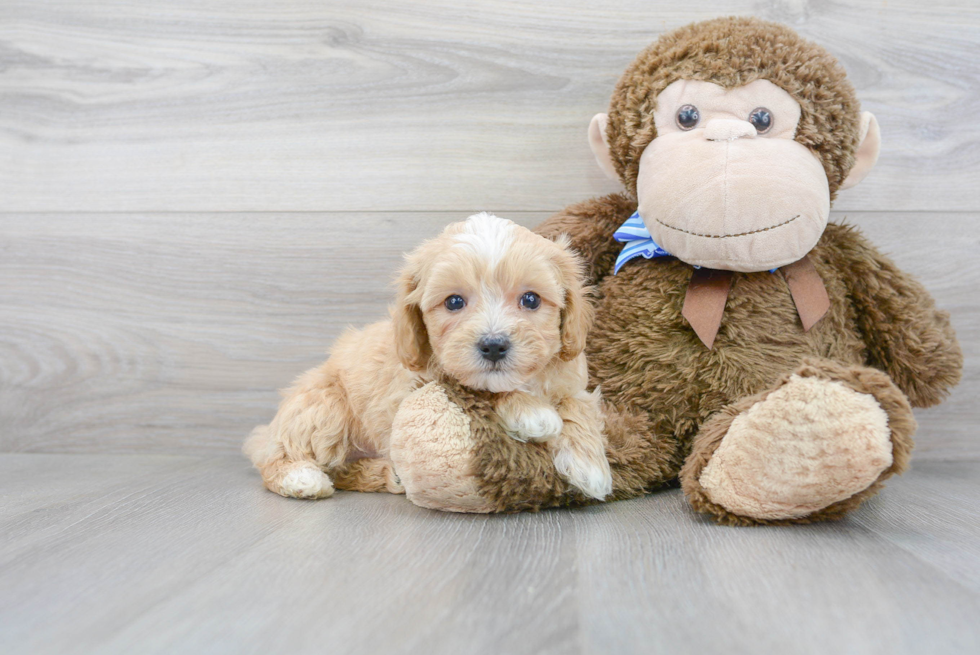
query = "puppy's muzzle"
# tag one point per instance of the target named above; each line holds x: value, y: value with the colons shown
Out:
x: 493, y: 349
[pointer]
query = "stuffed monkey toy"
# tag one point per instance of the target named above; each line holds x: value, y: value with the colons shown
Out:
x: 764, y: 357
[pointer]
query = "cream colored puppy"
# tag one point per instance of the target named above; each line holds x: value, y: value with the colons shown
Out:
x: 488, y: 303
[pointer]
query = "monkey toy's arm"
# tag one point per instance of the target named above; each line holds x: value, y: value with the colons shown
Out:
x: 590, y: 225
x: 906, y: 335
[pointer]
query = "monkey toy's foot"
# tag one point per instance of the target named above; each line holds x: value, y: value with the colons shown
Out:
x: 813, y: 447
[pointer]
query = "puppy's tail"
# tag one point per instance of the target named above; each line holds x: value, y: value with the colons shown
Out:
x: 260, y: 447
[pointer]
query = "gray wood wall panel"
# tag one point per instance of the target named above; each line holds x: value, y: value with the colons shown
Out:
x: 135, y: 333
x: 250, y: 105
x: 170, y: 333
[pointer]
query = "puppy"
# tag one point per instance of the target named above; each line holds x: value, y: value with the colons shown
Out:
x: 488, y: 303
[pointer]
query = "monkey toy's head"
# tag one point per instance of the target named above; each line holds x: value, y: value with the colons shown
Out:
x: 734, y: 135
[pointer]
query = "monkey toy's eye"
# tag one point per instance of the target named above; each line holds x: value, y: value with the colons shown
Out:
x: 761, y: 119
x: 454, y: 303
x: 530, y: 300
x: 687, y: 117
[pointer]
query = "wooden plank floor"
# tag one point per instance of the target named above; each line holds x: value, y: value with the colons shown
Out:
x: 162, y: 554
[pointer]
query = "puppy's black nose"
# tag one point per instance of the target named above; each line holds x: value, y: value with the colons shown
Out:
x: 494, y: 348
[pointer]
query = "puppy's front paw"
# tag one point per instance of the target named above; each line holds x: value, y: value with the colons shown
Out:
x: 588, y: 472
x: 305, y: 480
x: 534, y: 424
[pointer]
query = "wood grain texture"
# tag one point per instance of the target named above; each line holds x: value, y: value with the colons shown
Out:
x: 167, y: 555
x: 131, y: 333
x: 304, y: 105
x: 665, y: 579
x: 169, y: 333
x: 145, y: 326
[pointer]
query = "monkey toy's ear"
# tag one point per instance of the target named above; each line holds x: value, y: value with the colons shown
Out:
x: 600, y: 147
x: 867, y: 152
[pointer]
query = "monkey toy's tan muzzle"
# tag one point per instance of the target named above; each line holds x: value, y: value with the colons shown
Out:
x: 722, y: 197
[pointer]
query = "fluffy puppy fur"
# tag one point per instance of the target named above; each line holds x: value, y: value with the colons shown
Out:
x: 487, y: 303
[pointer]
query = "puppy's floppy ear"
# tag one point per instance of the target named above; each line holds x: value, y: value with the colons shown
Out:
x: 411, y: 337
x: 577, y: 314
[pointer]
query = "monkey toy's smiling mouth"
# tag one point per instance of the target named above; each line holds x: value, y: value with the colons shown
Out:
x: 728, y: 236
x: 747, y: 242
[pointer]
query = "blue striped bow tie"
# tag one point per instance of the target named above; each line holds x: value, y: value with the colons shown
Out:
x: 638, y: 242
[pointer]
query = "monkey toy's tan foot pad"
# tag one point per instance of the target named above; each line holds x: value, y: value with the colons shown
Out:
x: 433, y: 450
x: 811, y: 448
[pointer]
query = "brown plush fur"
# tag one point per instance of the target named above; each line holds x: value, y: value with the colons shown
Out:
x: 682, y: 396
x: 645, y: 356
x: 515, y: 477
x: 733, y: 52
x: 668, y: 398
x: 865, y: 380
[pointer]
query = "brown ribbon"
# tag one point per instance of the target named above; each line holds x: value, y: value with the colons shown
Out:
x: 707, y: 293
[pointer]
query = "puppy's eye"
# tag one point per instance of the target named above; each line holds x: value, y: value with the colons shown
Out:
x: 530, y: 300
x: 761, y: 119
x: 687, y: 117
x: 454, y: 303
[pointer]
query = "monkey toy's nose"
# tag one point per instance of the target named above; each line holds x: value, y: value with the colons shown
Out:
x: 494, y: 349
x: 728, y: 129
